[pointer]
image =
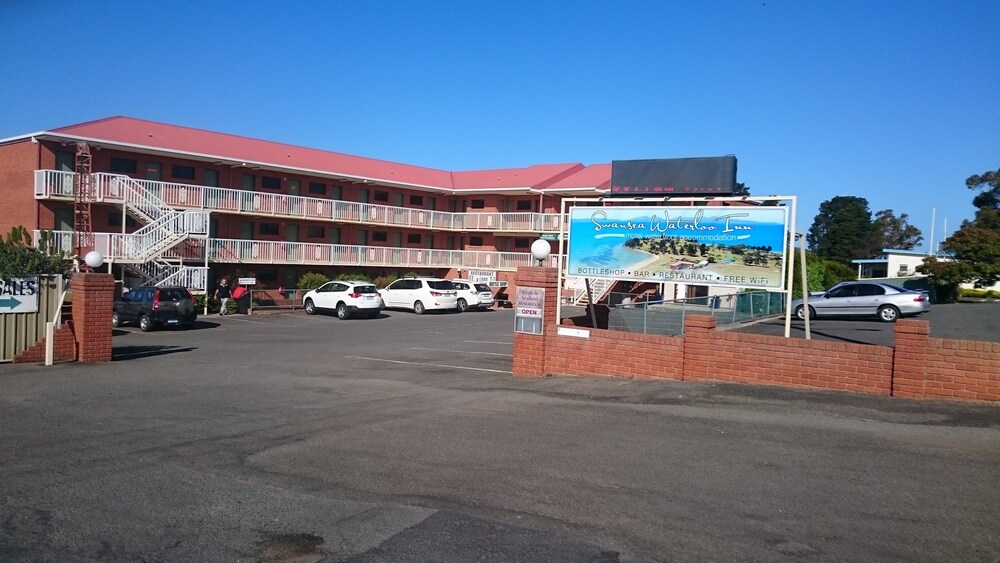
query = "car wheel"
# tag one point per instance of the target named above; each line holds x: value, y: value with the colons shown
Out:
x: 342, y: 313
x: 463, y: 306
x: 145, y: 323
x: 310, y: 307
x: 888, y: 313
x: 800, y: 313
x: 418, y: 308
x: 116, y: 321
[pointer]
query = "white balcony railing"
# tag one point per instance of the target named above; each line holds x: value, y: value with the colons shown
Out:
x: 117, y: 247
x: 59, y: 185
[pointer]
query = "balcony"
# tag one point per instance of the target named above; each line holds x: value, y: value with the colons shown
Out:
x: 52, y: 184
x: 117, y: 247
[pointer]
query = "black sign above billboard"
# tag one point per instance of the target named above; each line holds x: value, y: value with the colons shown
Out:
x: 710, y: 175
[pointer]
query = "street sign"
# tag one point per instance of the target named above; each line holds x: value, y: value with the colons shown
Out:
x: 19, y: 295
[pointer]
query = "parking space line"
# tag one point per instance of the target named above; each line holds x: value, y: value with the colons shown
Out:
x: 484, y: 342
x: 461, y: 351
x: 426, y: 364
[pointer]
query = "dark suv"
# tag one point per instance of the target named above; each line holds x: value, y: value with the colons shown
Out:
x: 155, y: 307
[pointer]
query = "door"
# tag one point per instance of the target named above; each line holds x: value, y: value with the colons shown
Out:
x: 65, y: 162
x: 246, y: 233
x: 870, y: 298
x: 63, y: 220
x: 362, y: 237
x: 291, y: 236
x: 293, y: 200
x: 397, y: 240
x: 363, y: 198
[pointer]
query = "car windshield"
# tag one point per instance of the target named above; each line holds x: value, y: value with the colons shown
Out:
x: 440, y: 285
x: 365, y: 289
x: 482, y: 287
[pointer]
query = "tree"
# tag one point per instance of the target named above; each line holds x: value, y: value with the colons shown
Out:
x: 842, y: 229
x: 889, y: 231
x: 973, y: 251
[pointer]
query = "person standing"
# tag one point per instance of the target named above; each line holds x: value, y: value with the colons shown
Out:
x: 223, y: 293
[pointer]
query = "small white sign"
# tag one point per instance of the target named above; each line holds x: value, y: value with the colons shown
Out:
x: 19, y: 295
x: 577, y: 332
x: 482, y: 276
x: 248, y: 281
x: 529, y: 304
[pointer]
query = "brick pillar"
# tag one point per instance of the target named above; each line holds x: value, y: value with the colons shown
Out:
x: 529, y: 349
x: 697, y: 333
x: 909, y: 365
x: 93, y: 303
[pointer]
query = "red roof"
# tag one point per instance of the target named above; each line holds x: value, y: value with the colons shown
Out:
x: 150, y: 135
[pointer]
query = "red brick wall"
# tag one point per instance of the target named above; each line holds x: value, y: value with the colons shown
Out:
x: 944, y: 369
x: 918, y: 366
x: 613, y: 353
x: 63, y: 350
x: 93, y: 302
x: 794, y: 362
x: 17, y: 166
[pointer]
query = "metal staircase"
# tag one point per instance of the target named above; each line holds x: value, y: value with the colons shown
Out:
x: 144, y: 252
x: 599, y: 287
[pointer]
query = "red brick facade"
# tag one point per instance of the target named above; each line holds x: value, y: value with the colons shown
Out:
x: 918, y: 367
x: 93, y: 304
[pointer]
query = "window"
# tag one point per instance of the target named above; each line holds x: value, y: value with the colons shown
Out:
x: 413, y: 238
x: 178, y: 172
x: 115, y: 220
x: 416, y: 200
x: 380, y: 236
x: 268, y: 228
x: 124, y: 165
x: 475, y: 241
x: 267, y: 276
x: 524, y: 205
x: 317, y: 188
x: 522, y: 243
x: 210, y: 178
x: 381, y: 196
x: 477, y: 203
x: 270, y: 182
x: 316, y: 232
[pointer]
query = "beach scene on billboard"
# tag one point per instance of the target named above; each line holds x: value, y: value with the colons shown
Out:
x: 733, y: 246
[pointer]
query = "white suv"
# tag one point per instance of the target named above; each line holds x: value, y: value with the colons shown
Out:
x: 348, y: 298
x: 421, y: 294
x: 473, y: 295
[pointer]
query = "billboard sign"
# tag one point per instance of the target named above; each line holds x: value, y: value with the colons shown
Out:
x: 19, y: 295
x: 529, y: 307
x: 712, y: 175
x: 730, y: 246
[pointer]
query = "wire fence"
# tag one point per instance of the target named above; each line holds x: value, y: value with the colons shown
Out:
x: 650, y: 314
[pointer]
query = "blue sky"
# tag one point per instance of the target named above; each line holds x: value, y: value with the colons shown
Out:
x: 896, y: 102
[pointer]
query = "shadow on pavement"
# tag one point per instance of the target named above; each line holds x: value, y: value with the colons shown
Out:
x: 121, y: 353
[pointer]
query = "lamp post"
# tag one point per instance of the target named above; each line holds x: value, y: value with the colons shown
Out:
x: 540, y: 250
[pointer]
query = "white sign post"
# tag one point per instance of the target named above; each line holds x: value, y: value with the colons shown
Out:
x: 19, y: 295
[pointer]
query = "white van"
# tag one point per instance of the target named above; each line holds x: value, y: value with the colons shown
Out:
x: 473, y: 295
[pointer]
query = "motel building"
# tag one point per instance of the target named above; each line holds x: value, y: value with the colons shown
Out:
x: 172, y: 205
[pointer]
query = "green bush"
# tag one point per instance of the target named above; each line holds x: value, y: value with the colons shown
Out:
x: 345, y: 276
x: 382, y: 281
x: 19, y: 257
x: 312, y: 280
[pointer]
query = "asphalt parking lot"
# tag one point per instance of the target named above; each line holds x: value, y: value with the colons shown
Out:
x: 968, y: 321
x: 285, y: 437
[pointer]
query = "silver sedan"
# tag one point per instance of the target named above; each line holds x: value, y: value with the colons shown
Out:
x: 885, y: 301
